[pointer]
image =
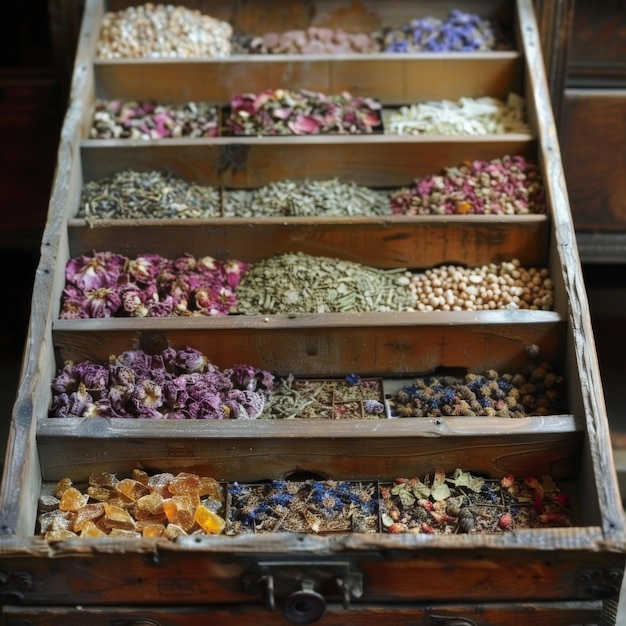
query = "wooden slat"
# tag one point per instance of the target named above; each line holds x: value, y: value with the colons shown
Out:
x: 332, y: 344
x: 494, y: 614
x: 372, y: 160
x: 389, y: 242
x: 394, y: 79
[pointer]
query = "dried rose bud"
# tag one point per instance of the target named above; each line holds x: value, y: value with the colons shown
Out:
x: 505, y: 520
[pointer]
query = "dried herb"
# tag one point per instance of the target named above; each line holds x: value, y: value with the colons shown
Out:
x: 147, y: 195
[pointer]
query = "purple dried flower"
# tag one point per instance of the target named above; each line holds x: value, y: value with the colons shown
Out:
x: 92, y: 375
x: 189, y: 360
x: 101, y: 270
x: 102, y: 302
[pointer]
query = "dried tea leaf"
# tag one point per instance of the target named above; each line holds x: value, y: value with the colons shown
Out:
x: 439, y: 490
x: 465, y: 479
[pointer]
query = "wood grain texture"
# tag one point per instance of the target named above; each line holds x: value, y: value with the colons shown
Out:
x: 332, y: 343
x: 158, y: 574
x: 492, y: 614
x: 418, y: 242
x: 593, y: 135
x: 393, y: 79
x: 373, y: 160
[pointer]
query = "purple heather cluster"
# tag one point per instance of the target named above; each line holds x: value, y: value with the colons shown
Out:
x: 112, y: 285
x: 459, y: 32
x: 174, y: 384
x: 510, y: 185
x: 301, y: 112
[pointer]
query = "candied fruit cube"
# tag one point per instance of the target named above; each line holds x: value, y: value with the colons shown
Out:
x: 91, y: 530
x: 154, y: 530
x: 210, y: 522
x: 59, y: 534
x: 55, y: 519
x: 149, y: 505
x: 184, y: 484
x: 103, y: 479
x: 88, y: 513
x: 159, y: 483
x: 210, y: 487
x: 132, y: 489
x: 173, y: 530
x: 47, y: 504
x: 180, y: 511
x: 103, y: 494
x: 140, y: 476
x: 72, y: 500
x: 118, y: 518
x: 124, y: 534
x: 62, y: 485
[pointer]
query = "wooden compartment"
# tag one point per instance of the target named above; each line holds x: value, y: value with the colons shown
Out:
x: 559, y: 572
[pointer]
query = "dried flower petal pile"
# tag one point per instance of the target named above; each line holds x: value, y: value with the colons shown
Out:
x: 301, y: 112
x: 310, y: 506
x: 313, y: 40
x: 467, y: 116
x: 114, y: 119
x: 112, y: 285
x: 464, y: 503
x: 162, y: 31
x: 534, y: 391
x: 144, y: 195
x: 509, y: 186
x: 174, y: 384
x: 458, y: 32
x: 158, y: 506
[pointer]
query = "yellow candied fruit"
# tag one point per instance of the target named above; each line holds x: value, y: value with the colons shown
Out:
x: 88, y: 513
x: 159, y: 483
x: 132, y: 489
x: 140, y: 476
x: 184, y: 484
x: 211, y: 488
x: 180, y: 511
x: 149, y: 506
x: 124, y: 534
x: 59, y: 534
x: 102, y: 479
x: 62, y: 485
x: 103, y: 494
x: 91, y: 530
x: 173, y: 530
x: 463, y: 207
x: 72, y: 500
x: 209, y: 522
x: 153, y: 530
x: 117, y: 518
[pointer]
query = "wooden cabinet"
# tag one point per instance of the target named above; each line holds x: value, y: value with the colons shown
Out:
x: 557, y: 575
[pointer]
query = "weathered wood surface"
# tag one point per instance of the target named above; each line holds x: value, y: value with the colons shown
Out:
x: 493, y: 614
x: 393, y: 79
x: 319, y: 450
x: 246, y: 162
x: 331, y: 344
x: 388, y: 242
x: 108, y: 573
x: 593, y: 136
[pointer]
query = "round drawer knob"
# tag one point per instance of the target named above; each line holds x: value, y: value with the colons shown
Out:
x: 304, y: 607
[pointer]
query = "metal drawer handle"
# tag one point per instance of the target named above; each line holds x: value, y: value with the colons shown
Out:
x: 304, y: 607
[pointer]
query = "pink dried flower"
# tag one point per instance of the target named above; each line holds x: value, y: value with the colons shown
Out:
x: 101, y: 270
x: 505, y: 520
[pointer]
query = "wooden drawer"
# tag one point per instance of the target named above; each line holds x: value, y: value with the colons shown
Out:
x: 567, y: 572
x: 593, y: 130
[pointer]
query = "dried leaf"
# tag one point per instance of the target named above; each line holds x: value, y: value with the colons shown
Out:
x: 465, y: 479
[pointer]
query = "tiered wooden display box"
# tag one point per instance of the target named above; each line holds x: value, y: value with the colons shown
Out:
x: 553, y: 576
